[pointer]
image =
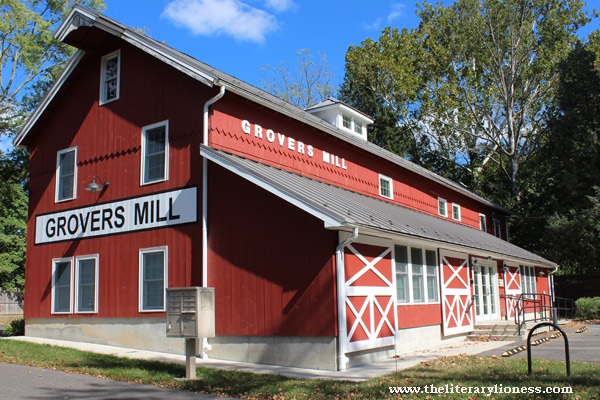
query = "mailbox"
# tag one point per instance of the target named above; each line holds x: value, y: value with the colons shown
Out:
x: 191, y: 312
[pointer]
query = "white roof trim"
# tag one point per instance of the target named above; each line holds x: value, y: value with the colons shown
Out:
x: 328, y: 221
x: 73, y: 62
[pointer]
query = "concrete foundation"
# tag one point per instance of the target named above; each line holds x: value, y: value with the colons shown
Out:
x: 150, y: 334
x: 422, y: 338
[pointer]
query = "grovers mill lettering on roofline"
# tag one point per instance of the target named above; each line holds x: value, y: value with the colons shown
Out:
x: 290, y: 144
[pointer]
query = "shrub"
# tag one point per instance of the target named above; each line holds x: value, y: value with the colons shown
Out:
x: 16, y: 327
x: 587, y: 308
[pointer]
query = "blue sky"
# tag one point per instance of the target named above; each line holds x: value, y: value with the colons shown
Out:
x: 239, y: 37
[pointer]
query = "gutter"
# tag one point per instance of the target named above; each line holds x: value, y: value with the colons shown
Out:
x: 205, y: 346
x: 341, y: 299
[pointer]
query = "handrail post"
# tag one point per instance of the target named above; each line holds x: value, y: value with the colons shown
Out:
x: 564, y: 335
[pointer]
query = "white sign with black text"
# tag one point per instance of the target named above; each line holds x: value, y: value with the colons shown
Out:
x: 157, y: 210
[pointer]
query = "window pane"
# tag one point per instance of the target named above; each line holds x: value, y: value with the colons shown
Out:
x: 456, y: 212
x: 402, y: 274
x: 482, y: 224
x: 155, y: 148
x: 417, y: 274
x: 66, y: 175
x: 442, y: 207
x: 384, y: 187
x: 432, y: 282
x: 62, y: 287
x: 86, y: 285
x: 111, y: 78
x: 357, y: 127
x: 153, y: 280
x: 347, y: 122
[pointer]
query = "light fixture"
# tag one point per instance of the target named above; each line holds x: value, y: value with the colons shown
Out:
x: 541, y: 273
x: 505, y: 268
x: 94, y: 187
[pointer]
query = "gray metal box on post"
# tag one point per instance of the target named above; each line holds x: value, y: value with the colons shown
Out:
x: 191, y: 312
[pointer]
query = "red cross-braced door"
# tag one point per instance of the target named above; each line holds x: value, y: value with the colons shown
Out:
x: 370, y: 297
x: 512, y: 289
x: 456, y: 293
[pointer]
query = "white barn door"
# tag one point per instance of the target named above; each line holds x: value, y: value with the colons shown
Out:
x: 370, y: 297
x: 456, y: 293
x: 512, y: 289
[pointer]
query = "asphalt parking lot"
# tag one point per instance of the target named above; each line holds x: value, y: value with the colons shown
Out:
x: 584, y: 346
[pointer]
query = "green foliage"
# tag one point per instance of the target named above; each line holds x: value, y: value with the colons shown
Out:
x: 30, y: 58
x: 559, y: 215
x: 587, y: 308
x: 16, y: 327
x: 308, y: 83
x: 13, y: 220
x: 475, y: 79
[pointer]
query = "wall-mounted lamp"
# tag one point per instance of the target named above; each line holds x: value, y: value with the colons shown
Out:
x: 541, y: 274
x: 94, y: 187
x: 490, y: 258
x: 505, y: 268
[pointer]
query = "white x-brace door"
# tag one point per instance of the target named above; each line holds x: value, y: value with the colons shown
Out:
x: 457, y: 310
x: 512, y: 289
x: 370, y: 297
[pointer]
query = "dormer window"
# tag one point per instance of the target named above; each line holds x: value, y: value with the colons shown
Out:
x: 343, y: 116
x: 455, y: 212
x: 442, y: 207
x: 110, y: 77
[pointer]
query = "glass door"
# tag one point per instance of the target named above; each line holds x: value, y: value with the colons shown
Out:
x: 485, y: 287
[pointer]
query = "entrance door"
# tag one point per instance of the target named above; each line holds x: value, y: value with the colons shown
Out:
x: 485, y: 282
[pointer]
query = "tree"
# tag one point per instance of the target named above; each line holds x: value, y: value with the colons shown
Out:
x: 308, y: 83
x: 30, y: 57
x: 13, y: 220
x: 561, y: 192
x: 475, y: 78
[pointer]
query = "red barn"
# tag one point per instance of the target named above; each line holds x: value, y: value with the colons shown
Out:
x: 151, y: 170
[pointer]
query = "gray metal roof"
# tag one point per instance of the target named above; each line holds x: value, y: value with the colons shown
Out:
x: 339, y: 208
x: 82, y: 16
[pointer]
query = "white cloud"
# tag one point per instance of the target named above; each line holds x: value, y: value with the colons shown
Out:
x: 397, y: 11
x: 280, y: 5
x: 374, y: 26
x: 229, y: 17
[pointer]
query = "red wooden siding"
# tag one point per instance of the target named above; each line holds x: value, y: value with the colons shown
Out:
x: 363, y: 169
x: 417, y: 315
x: 272, y: 265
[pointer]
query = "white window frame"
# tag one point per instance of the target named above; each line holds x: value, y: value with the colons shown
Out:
x: 57, y: 182
x: 165, y: 250
x: 145, y: 129
x: 53, y: 294
x: 391, y: 186
x: 483, y: 227
x: 456, y: 206
x: 424, y: 275
x: 96, y: 259
x: 441, y: 200
x: 104, y: 60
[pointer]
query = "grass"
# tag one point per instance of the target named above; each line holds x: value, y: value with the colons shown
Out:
x: 461, y: 370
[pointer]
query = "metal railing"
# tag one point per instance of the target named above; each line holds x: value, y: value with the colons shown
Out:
x: 533, y: 307
x: 564, y: 308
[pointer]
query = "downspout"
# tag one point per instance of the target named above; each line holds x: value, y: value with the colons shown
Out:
x: 205, y: 346
x: 551, y: 280
x: 341, y: 299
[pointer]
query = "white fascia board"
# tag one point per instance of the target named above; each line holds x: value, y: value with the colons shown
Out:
x: 328, y: 221
x: 49, y: 96
x: 67, y: 26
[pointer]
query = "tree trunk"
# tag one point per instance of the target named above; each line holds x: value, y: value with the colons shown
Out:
x: 514, y: 180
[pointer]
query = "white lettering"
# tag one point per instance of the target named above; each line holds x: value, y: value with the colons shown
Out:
x: 246, y: 127
x: 291, y: 144
x: 258, y: 131
x: 300, y: 147
x: 270, y: 136
x: 337, y: 162
x: 326, y: 157
x: 344, y: 164
x: 281, y: 139
x: 310, y: 151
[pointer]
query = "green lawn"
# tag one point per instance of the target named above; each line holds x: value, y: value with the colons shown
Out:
x: 461, y: 370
